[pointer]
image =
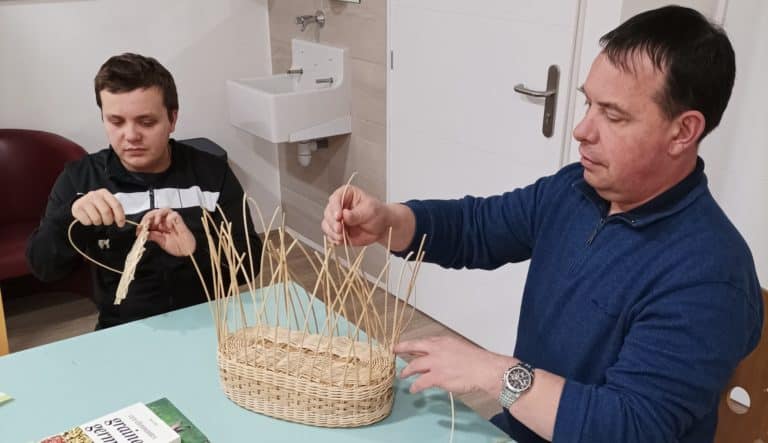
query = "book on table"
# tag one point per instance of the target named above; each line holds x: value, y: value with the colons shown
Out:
x: 156, y: 422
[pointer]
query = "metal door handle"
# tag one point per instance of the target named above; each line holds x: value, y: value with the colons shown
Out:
x: 550, y: 96
x: 525, y: 91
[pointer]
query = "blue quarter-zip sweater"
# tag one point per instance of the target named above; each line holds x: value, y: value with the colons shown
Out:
x: 644, y: 313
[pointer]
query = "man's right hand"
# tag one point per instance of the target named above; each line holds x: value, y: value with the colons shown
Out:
x: 98, y: 207
x: 365, y: 219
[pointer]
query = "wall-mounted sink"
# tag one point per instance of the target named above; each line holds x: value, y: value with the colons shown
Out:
x: 312, y: 103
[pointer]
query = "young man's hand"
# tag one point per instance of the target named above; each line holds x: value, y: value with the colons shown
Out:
x: 98, y: 208
x: 167, y: 229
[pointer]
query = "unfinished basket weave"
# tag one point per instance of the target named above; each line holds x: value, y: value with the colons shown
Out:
x: 316, y: 400
x: 284, y: 353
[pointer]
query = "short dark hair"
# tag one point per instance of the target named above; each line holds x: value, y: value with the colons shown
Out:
x: 127, y: 72
x: 695, y: 55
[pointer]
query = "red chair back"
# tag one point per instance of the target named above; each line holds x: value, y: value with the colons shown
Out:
x: 30, y: 161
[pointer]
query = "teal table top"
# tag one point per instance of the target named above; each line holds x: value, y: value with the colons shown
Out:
x: 61, y: 385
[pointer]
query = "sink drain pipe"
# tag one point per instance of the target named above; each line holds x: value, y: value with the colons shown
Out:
x: 307, y: 147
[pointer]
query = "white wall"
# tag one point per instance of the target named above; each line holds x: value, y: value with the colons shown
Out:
x: 50, y: 51
x: 736, y: 153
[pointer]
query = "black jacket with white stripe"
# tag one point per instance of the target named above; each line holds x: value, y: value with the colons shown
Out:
x: 195, y: 181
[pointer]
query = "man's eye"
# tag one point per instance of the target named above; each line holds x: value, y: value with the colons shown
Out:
x: 116, y: 122
x: 147, y: 123
x: 612, y: 116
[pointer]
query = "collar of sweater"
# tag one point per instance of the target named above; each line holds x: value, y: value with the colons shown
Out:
x: 664, y: 205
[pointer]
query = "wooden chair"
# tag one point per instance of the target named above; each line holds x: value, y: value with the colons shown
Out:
x: 3, y: 331
x: 738, y: 423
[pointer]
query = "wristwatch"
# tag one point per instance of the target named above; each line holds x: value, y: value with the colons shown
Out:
x: 515, y: 382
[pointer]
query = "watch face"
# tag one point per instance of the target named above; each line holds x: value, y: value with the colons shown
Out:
x: 518, y: 379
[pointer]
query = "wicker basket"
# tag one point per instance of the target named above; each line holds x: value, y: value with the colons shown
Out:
x: 283, y: 353
x: 300, y: 385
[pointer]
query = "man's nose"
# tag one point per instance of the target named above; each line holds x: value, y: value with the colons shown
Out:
x: 585, y: 131
x: 132, y: 132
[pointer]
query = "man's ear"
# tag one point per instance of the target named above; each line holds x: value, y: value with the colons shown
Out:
x: 688, y: 129
x: 174, y: 117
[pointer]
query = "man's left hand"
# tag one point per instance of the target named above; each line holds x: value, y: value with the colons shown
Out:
x: 454, y: 365
x: 167, y: 229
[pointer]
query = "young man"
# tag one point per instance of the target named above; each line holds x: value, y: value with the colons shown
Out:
x: 143, y: 176
x: 641, y: 296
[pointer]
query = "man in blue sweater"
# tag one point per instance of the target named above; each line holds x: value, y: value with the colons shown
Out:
x: 641, y: 296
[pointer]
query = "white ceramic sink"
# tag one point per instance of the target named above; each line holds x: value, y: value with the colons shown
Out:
x: 295, y: 107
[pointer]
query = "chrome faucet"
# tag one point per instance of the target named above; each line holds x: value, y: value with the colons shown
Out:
x: 305, y: 20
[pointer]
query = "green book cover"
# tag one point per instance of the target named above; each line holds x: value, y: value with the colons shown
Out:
x: 168, y: 413
x: 156, y: 422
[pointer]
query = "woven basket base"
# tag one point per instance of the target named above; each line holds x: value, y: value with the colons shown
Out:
x: 351, y: 399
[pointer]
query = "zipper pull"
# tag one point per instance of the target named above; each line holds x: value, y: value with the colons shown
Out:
x: 594, y: 233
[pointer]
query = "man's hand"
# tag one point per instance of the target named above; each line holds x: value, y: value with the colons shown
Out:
x: 98, y: 207
x: 454, y: 365
x: 167, y: 229
x: 460, y: 367
x: 365, y: 219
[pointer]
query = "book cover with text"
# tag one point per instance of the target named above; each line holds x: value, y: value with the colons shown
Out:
x: 156, y: 422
